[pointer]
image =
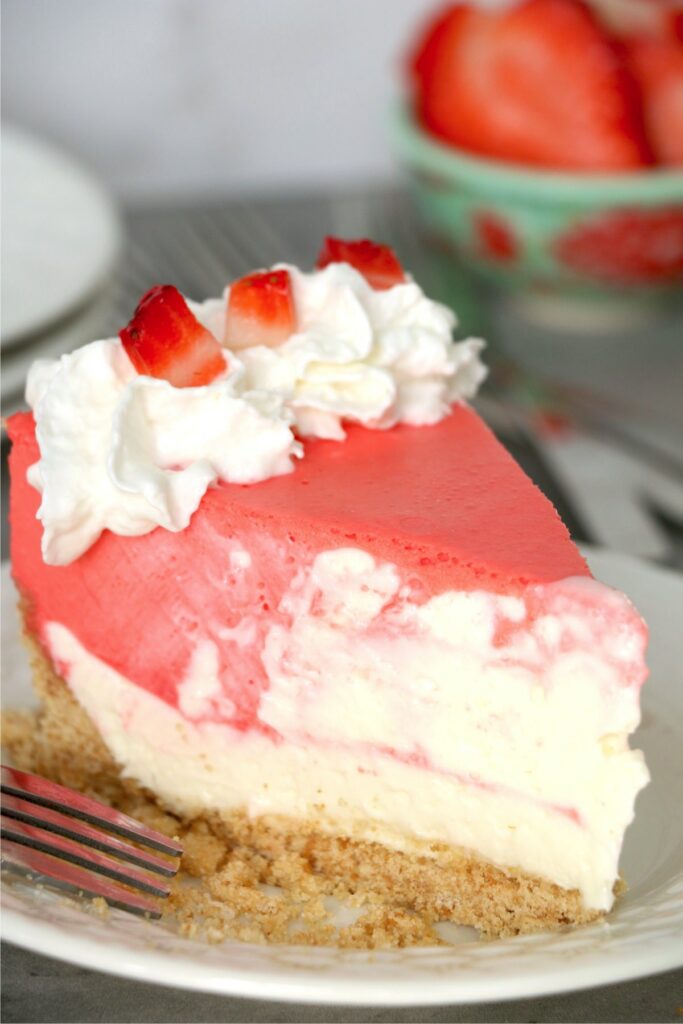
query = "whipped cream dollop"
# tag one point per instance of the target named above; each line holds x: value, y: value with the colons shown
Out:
x: 374, y: 357
x: 128, y: 453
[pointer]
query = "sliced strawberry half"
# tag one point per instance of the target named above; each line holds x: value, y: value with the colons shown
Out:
x: 538, y: 83
x: 377, y: 263
x: 626, y: 246
x: 656, y: 61
x: 260, y: 310
x: 164, y: 339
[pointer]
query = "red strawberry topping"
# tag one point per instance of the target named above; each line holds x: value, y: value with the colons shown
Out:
x: 260, y: 310
x: 537, y: 83
x: 377, y: 263
x: 626, y: 246
x: 164, y: 339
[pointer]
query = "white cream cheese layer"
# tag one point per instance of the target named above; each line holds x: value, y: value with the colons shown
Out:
x: 405, y: 722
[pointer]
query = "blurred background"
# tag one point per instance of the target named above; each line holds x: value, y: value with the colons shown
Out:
x: 190, y: 141
x: 174, y: 97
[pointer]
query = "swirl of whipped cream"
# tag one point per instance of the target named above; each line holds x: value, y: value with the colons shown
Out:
x: 128, y: 453
x: 359, y: 354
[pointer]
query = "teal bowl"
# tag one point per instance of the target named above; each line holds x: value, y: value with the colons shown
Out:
x: 548, y: 233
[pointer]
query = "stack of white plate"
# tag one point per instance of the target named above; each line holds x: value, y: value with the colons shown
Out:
x: 60, y: 239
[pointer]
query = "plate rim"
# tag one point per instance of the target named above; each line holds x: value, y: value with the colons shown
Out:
x: 320, y: 986
x: 313, y: 986
x: 15, y: 136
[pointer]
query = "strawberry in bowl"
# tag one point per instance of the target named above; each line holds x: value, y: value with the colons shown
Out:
x: 539, y: 84
x: 544, y: 145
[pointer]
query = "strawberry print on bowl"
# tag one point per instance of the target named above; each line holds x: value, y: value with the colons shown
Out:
x: 496, y: 237
x: 625, y: 246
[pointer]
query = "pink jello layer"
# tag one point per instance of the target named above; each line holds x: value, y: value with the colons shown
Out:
x: 446, y: 504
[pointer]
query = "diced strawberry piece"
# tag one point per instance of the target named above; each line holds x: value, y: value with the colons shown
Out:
x: 657, y: 64
x: 164, y: 339
x: 626, y: 246
x: 377, y: 263
x: 537, y: 83
x: 260, y: 310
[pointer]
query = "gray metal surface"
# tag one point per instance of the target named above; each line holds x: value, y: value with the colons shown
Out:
x: 60, y: 839
x: 43, y: 793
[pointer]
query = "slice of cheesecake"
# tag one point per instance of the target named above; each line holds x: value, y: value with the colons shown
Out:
x: 278, y: 574
x: 393, y: 658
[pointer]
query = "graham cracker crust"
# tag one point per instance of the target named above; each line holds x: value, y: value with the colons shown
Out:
x: 233, y: 860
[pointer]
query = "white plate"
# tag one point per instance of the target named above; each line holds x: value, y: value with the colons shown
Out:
x: 65, y: 336
x: 60, y: 235
x: 643, y: 935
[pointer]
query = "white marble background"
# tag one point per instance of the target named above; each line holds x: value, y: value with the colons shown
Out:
x: 176, y: 96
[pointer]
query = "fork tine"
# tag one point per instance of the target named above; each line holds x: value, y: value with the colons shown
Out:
x: 58, y: 846
x: 53, y: 873
x: 49, y: 794
x: 60, y: 824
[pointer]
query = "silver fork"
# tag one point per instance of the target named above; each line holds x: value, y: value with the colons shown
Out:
x: 62, y: 839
